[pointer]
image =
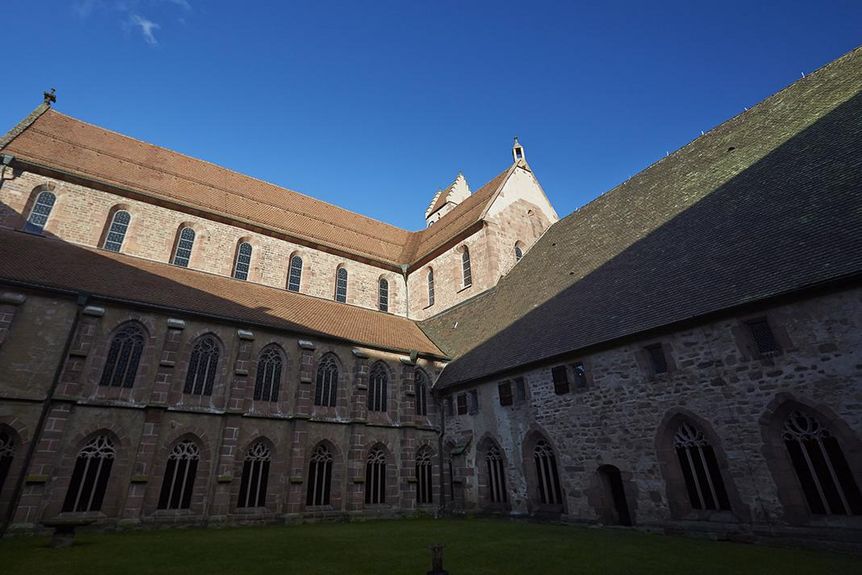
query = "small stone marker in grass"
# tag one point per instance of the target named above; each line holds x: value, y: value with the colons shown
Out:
x: 437, y: 561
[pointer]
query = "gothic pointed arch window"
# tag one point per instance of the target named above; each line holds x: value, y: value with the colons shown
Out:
x: 255, y: 475
x: 7, y: 454
x: 117, y: 230
x: 430, y: 287
x: 496, y: 470
x: 184, y: 246
x: 319, y: 476
x: 341, y: 285
x: 421, y: 388
x: 294, y: 274
x: 424, y: 476
x: 821, y: 467
x: 268, y: 379
x: 124, y: 355
x: 700, y: 470
x: 180, y: 472
x: 375, y: 477
x: 41, y: 211
x: 326, y: 386
x: 378, y: 384
x: 546, y: 474
x: 90, y: 475
x: 383, y: 294
x: 466, y: 269
x: 242, y: 262
x: 203, y: 365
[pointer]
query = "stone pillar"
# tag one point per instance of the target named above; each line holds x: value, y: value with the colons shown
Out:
x: 359, y: 393
x: 142, y: 471
x: 305, y: 389
x: 72, y: 376
x: 407, y: 403
x: 297, y: 469
x: 356, y: 470
x: 9, y: 303
x: 408, y: 469
x: 36, y: 478
x: 167, y: 362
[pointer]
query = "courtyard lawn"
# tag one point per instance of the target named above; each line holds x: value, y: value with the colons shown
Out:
x: 473, y: 547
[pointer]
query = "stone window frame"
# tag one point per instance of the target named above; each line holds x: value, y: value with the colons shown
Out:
x: 115, y: 491
x: 97, y: 359
x: 483, y: 449
x: 378, y: 485
x: 279, y: 384
x: 676, y: 490
x: 179, y: 238
x: 196, y: 495
x: 461, y: 404
x: 645, y: 361
x: 32, y: 201
x: 378, y: 399
x: 258, y: 460
x: 197, y: 343
x: 120, y: 330
x: 329, y: 357
x: 560, y: 379
x: 238, y: 265
x: 91, y: 475
x: 466, y: 268
x: 788, y: 487
x: 336, y: 477
x: 424, y: 469
x: 505, y: 393
x: 223, y: 376
x: 429, y: 278
x: 109, y: 227
x: 290, y: 272
x: 421, y: 385
x: 518, y: 251
x: 745, y: 341
x: 20, y: 438
x: 342, y: 283
x: 534, y: 503
x: 383, y: 294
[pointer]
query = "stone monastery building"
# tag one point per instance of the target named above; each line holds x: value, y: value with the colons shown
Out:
x: 183, y: 344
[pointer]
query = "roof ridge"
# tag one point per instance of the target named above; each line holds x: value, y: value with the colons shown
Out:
x: 232, y: 171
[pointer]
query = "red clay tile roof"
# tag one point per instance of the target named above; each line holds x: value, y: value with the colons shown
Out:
x: 56, y: 141
x: 51, y: 263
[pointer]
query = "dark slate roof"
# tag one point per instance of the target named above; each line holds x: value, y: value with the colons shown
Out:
x: 767, y: 203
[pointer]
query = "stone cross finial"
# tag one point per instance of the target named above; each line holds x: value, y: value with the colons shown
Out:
x: 50, y: 97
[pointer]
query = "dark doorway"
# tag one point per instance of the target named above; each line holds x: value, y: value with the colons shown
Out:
x: 615, y: 494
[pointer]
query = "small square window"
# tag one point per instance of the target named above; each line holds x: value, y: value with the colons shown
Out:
x: 474, y: 402
x: 580, y: 375
x: 658, y: 361
x: 520, y: 389
x: 762, y: 335
x: 462, y: 403
x: 560, y: 375
x: 505, y: 391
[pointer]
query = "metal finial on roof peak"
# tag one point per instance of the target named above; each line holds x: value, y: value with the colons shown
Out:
x: 50, y: 97
x: 518, y: 151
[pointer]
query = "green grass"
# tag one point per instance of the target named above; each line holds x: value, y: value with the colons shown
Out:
x: 473, y: 546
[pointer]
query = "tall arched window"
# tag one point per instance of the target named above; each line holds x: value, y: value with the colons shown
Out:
x: 202, y: 367
x: 519, y: 253
x: 40, y: 211
x: 179, y: 480
x: 424, y: 477
x: 268, y: 378
x: 375, y: 477
x: 294, y: 275
x: 546, y: 474
x: 820, y: 465
x: 7, y: 454
x: 377, y: 387
x: 124, y: 355
x: 255, y: 474
x: 383, y: 295
x: 117, y: 230
x: 421, y: 384
x: 496, y: 475
x: 341, y: 285
x: 90, y: 476
x: 466, y: 271
x: 326, y: 389
x: 430, y: 287
x: 183, y: 251
x: 319, y: 476
x: 699, y: 469
x: 243, y: 261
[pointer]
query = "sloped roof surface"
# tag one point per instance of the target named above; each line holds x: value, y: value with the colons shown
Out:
x: 54, y: 140
x: 767, y: 203
x: 51, y: 263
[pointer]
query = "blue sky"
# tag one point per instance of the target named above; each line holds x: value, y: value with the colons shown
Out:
x: 375, y: 105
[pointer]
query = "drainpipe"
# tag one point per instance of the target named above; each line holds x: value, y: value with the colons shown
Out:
x: 43, y: 417
x: 406, y: 291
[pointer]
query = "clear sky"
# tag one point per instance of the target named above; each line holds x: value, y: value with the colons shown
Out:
x: 375, y: 105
